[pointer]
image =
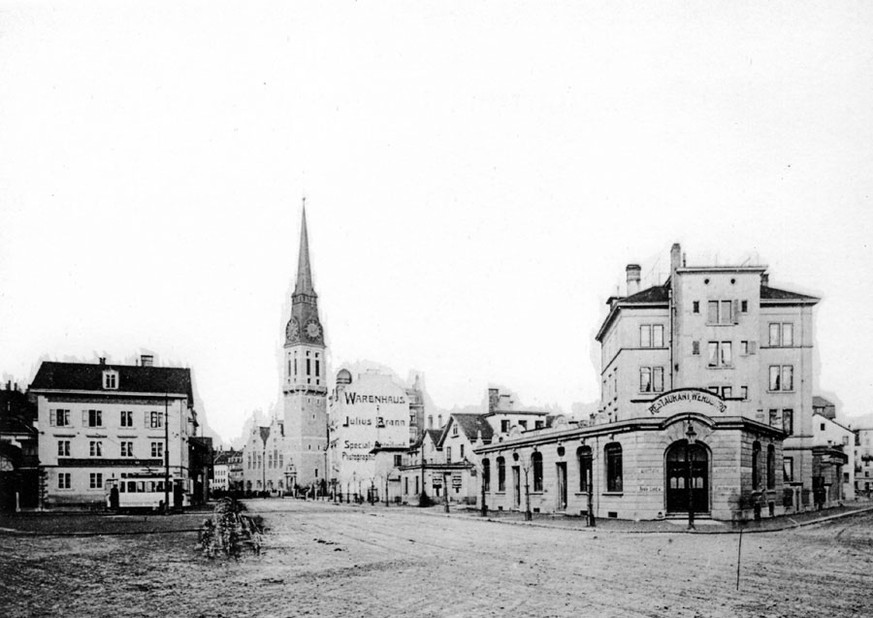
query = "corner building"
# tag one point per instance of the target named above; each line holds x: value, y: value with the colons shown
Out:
x: 706, y: 404
x: 304, y: 382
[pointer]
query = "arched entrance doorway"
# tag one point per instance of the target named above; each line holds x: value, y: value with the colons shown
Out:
x: 679, y: 457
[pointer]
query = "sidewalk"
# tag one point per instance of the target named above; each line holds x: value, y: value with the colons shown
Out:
x: 702, y: 525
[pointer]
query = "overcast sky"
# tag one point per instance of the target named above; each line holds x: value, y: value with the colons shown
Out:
x: 477, y: 177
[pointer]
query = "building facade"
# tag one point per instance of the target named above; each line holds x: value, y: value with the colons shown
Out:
x: 19, y: 457
x: 374, y: 418
x: 833, y: 458
x: 265, y: 460
x: 863, y: 453
x: 100, y: 424
x: 706, y: 406
x: 305, y: 377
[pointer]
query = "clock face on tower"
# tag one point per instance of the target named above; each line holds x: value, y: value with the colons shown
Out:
x: 292, y: 331
x: 313, y: 329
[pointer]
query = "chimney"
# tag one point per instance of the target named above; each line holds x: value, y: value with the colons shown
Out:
x: 146, y: 360
x: 675, y: 257
x: 633, y: 279
x: 102, y: 360
x: 493, y: 398
x: 765, y: 279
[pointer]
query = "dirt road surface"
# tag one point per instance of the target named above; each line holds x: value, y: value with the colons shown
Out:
x: 326, y: 560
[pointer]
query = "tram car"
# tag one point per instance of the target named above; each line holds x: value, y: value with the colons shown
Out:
x: 144, y: 492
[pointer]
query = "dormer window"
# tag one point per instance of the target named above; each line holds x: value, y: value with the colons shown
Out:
x: 110, y: 379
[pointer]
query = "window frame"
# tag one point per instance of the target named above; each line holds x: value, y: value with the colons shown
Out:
x: 612, y: 454
x: 585, y: 460
x: 536, y: 462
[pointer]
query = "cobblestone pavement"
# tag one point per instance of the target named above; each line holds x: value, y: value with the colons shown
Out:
x: 326, y: 560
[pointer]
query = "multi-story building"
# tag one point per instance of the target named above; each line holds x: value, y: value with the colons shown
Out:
x: 374, y: 418
x: 706, y: 404
x: 224, y: 477
x: 19, y: 461
x: 833, y: 478
x: 305, y: 377
x: 100, y: 424
x: 863, y: 453
x: 265, y: 460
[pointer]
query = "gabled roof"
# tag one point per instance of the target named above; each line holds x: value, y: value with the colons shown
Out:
x: 820, y: 402
x: 131, y: 378
x: 471, y: 425
x: 774, y: 294
x: 434, y: 435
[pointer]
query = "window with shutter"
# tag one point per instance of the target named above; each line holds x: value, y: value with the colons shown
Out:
x: 752, y: 347
x: 736, y: 311
x: 52, y: 417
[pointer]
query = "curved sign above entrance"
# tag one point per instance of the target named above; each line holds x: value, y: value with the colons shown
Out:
x: 687, y: 400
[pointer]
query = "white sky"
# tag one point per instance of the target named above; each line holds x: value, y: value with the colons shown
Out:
x: 477, y: 177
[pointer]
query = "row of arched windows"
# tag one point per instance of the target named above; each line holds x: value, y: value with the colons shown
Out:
x: 612, y: 456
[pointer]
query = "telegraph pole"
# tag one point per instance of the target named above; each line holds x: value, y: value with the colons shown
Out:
x: 166, y: 454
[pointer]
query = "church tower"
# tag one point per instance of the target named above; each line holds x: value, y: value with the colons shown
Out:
x: 304, y: 383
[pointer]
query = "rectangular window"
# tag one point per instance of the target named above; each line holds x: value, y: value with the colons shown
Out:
x: 645, y: 336
x: 658, y: 336
x: 726, y: 358
x: 712, y: 312
x: 539, y: 424
x: 317, y: 368
x: 774, y: 335
x: 504, y: 426
x: 695, y: 306
x: 744, y: 392
x: 448, y: 454
x: 94, y: 418
x: 720, y: 354
x: 712, y: 353
x: 462, y: 452
x: 788, y: 421
x: 156, y: 419
x: 96, y: 480
x: 308, y: 366
x: 695, y: 348
x: 60, y: 418
x: 744, y: 306
x: 788, y: 469
x: 64, y: 480
x: 127, y: 418
x: 788, y: 335
x: 774, y: 418
x: 744, y: 347
x: 726, y: 392
x: 775, y: 378
x: 157, y: 449
x: 96, y: 448
x: 63, y: 448
x: 127, y: 449
x: 645, y: 380
x: 726, y: 316
x: 398, y: 461
x: 658, y: 379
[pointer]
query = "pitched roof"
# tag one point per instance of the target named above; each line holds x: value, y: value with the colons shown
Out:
x: 820, y: 402
x: 472, y: 424
x: 768, y: 293
x: 131, y: 378
x: 654, y: 294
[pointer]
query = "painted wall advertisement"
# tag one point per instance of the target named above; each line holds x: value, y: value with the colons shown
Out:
x: 373, y: 409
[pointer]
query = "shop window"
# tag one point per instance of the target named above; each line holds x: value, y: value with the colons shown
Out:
x: 537, y: 462
x: 583, y: 455
x: 612, y: 454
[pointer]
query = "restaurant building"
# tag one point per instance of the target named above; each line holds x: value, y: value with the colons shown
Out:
x: 706, y: 406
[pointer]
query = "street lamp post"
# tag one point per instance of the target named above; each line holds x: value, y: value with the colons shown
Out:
x: 691, y: 436
x: 446, y: 489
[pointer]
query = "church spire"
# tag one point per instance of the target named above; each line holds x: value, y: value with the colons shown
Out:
x: 304, y: 272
